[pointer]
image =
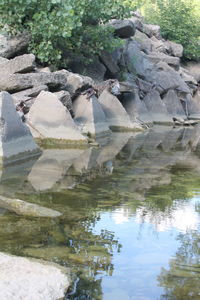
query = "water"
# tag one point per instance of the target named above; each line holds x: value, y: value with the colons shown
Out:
x: 130, y: 227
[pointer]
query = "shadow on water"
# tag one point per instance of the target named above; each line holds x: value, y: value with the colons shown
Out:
x: 110, y: 197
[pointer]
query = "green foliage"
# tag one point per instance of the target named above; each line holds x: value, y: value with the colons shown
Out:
x: 73, y: 25
x: 179, y: 21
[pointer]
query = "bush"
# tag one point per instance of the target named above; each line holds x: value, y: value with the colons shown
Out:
x: 179, y: 21
x: 57, y: 25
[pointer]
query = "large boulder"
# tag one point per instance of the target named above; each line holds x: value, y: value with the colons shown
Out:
x: 194, y: 69
x: 156, y: 57
x: 174, y: 48
x: 89, y: 116
x: 19, y: 64
x: 110, y: 63
x: 157, y: 108
x: 10, y: 46
x: 18, y: 82
x: 144, y: 41
x: 23, y: 278
x: 192, y: 107
x: 135, y: 60
x: 137, y: 22
x: 165, y: 78
x: 136, y: 108
x: 76, y: 82
x: 123, y: 28
x: 65, y: 99
x: 173, y: 104
x: 116, y: 115
x: 49, y: 119
x: 16, y: 140
x: 28, y: 94
x: 152, y: 30
x: 95, y: 69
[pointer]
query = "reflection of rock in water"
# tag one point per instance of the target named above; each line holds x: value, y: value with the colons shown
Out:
x: 14, y: 178
x: 51, y: 167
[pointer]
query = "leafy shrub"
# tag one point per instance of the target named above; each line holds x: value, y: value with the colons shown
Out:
x: 179, y: 21
x: 73, y: 25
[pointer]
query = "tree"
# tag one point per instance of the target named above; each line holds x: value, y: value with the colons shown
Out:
x: 179, y: 21
x: 54, y: 25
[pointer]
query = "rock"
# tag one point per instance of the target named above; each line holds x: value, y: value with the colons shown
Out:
x: 144, y: 41
x: 18, y: 82
x: 174, y: 48
x: 29, y: 93
x: 135, y: 61
x: 65, y: 99
x: 193, y: 108
x: 123, y: 28
x: 51, y: 167
x: 16, y: 139
x: 19, y: 64
x: 89, y: 116
x: 116, y: 115
x: 24, y: 208
x: 157, y: 108
x: 152, y: 30
x: 159, y: 45
x: 96, y: 70
x: 187, y: 77
x: 3, y: 60
x: 10, y: 46
x: 137, y: 22
x: 76, y: 82
x: 109, y: 62
x: 23, y: 278
x: 156, y: 57
x: 136, y: 108
x: 165, y: 78
x: 173, y: 104
x: 49, y: 119
x: 194, y: 69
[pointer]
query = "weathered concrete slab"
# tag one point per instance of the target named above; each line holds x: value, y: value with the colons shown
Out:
x: 51, y: 167
x: 17, y: 82
x: 23, y: 278
x: 157, y: 108
x: 116, y: 115
x: 173, y: 104
x: 29, y: 93
x: 89, y: 116
x: 24, y: 208
x: 136, y: 108
x: 16, y: 140
x: 20, y: 64
x: 49, y: 119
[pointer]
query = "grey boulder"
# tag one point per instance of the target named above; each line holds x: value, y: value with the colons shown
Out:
x: 173, y: 104
x: 20, y: 64
x: 90, y: 117
x: 123, y: 28
x: 49, y: 119
x: 10, y: 46
x: 16, y: 140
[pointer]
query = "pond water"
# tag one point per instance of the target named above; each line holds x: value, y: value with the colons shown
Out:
x: 130, y: 224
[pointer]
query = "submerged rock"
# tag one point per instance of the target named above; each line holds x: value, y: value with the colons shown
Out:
x: 23, y: 278
x: 27, y: 209
x: 16, y: 139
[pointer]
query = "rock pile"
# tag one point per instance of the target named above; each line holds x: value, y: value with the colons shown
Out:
x: 64, y: 106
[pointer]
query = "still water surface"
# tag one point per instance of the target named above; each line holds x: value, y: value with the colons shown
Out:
x: 130, y: 228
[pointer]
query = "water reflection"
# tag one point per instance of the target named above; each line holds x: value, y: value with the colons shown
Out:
x: 123, y: 206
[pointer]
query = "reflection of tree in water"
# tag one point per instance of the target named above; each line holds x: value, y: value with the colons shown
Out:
x: 181, y: 281
x: 91, y: 255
